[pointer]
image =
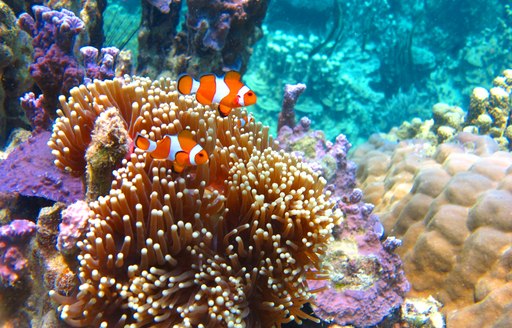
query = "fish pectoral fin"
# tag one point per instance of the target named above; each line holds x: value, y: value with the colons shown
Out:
x: 177, y: 167
x: 181, y: 158
x: 232, y: 75
x: 224, y: 110
x: 163, y: 147
x: 141, y: 142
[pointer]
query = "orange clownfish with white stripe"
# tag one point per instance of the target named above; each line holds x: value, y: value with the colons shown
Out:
x: 181, y: 149
x: 227, y: 91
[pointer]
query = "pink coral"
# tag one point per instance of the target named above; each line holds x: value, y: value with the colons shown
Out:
x: 72, y: 227
x: 12, y: 260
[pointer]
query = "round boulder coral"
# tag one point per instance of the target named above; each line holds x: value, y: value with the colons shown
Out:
x: 452, y: 210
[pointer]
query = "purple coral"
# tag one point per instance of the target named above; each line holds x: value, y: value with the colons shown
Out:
x: 29, y: 171
x: 163, y: 5
x: 13, y: 263
x: 55, y: 69
x: 291, y: 95
x: 366, y: 285
x: 36, y: 114
x: 223, y: 31
x: 101, y: 68
x: 216, y: 37
x: 17, y: 229
x: 324, y: 156
x: 73, y: 225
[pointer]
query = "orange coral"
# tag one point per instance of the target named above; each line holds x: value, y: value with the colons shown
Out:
x: 229, y: 243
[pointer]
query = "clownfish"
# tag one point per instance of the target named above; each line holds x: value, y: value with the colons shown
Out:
x: 181, y: 149
x: 244, y: 120
x: 227, y: 91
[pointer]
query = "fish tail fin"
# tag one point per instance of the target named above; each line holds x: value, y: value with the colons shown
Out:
x: 187, y: 85
x: 142, y: 142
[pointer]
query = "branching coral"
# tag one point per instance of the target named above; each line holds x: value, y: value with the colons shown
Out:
x: 228, y: 243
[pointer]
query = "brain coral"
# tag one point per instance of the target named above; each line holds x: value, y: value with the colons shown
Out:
x: 453, y: 211
x: 225, y: 244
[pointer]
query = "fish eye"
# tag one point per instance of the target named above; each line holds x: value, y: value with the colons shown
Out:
x: 250, y: 93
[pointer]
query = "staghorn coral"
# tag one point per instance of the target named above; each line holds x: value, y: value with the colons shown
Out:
x: 451, y: 207
x: 228, y: 243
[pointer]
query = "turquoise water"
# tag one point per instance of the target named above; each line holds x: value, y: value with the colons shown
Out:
x: 368, y: 66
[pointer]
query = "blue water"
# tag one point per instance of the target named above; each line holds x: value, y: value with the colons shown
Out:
x: 370, y: 65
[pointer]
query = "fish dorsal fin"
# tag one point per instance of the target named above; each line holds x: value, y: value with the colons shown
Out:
x: 182, y: 158
x: 186, y: 134
x: 186, y: 139
x: 232, y: 75
x: 163, y: 147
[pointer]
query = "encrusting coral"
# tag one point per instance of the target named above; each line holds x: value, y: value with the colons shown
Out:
x: 229, y: 243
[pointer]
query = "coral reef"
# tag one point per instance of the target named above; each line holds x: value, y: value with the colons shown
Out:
x: 13, y: 264
x: 284, y: 58
x: 15, y: 54
x: 425, y: 313
x: 37, y: 116
x: 488, y: 114
x: 55, y: 69
x: 290, y: 97
x: 72, y: 227
x: 101, y: 68
x: 451, y: 205
x: 108, y: 147
x: 489, y: 110
x: 194, y: 246
x: 29, y: 171
x: 367, y: 282
x: 216, y: 37
x: 377, y: 63
x: 325, y: 157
